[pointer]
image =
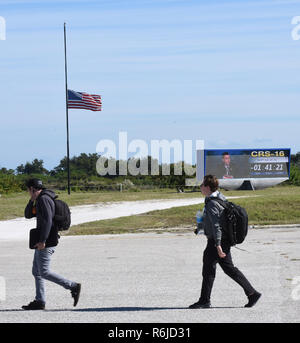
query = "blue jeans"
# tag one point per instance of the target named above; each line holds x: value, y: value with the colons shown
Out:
x: 41, y: 271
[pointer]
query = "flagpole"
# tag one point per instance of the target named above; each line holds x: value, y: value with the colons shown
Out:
x: 67, y: 112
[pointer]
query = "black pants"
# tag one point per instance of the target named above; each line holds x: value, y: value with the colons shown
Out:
x: 210, y: 259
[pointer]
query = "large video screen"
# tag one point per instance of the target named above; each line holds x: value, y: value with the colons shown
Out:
x: 249, y: 163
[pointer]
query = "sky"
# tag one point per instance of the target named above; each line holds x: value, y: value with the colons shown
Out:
x: 226, y: 72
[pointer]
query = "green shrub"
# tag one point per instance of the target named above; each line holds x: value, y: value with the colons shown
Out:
x: 294, y: 175
x: 9, y: 184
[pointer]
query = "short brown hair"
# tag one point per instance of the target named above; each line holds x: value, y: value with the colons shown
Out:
x: 211, y: 181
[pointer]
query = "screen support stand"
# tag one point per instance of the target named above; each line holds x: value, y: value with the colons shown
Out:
x: 246, y: 186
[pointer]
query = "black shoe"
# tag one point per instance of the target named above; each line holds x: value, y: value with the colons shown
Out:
x: 34, y: 305
x: 253, y: 298
x: 200, y: 304
x: 75, y: 292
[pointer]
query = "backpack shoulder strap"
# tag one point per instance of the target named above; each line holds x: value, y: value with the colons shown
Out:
x: 223, y: 203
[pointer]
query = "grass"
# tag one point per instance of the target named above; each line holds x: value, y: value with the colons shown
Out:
x: 12, y: 205
x: 164, y: 219
x: 278, y: 205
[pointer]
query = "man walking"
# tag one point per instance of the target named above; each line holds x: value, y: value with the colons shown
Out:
x: 41, y: 205
x: 217, y: 249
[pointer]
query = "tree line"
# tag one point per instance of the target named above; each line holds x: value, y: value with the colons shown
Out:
x: 84, y: 175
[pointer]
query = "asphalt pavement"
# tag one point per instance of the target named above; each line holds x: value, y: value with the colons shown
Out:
x: 153, y: 278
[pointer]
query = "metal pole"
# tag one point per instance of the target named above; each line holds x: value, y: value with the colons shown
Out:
x: 67, y: 113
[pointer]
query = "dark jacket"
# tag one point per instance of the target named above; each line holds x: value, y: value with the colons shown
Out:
x: 44, y: 209
x: 212, y: 218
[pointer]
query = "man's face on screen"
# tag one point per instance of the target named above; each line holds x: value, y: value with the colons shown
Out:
x: 226, y: 159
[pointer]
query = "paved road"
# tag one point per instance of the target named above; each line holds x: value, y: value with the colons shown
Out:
x: 153, y: 278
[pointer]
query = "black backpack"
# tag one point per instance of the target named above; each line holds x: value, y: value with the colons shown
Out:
x: 62, y: 217
x: 234, y: 222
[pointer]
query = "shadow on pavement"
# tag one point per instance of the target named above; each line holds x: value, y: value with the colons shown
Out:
x: 121, y: 309
x: 125, y: 309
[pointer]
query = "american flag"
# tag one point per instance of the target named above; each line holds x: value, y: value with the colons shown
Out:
x: 83, y: 100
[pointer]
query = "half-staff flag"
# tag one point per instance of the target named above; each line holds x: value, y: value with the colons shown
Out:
x: 84, y: 101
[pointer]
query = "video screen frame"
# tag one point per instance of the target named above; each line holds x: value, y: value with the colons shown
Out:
x: 248, y: 163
